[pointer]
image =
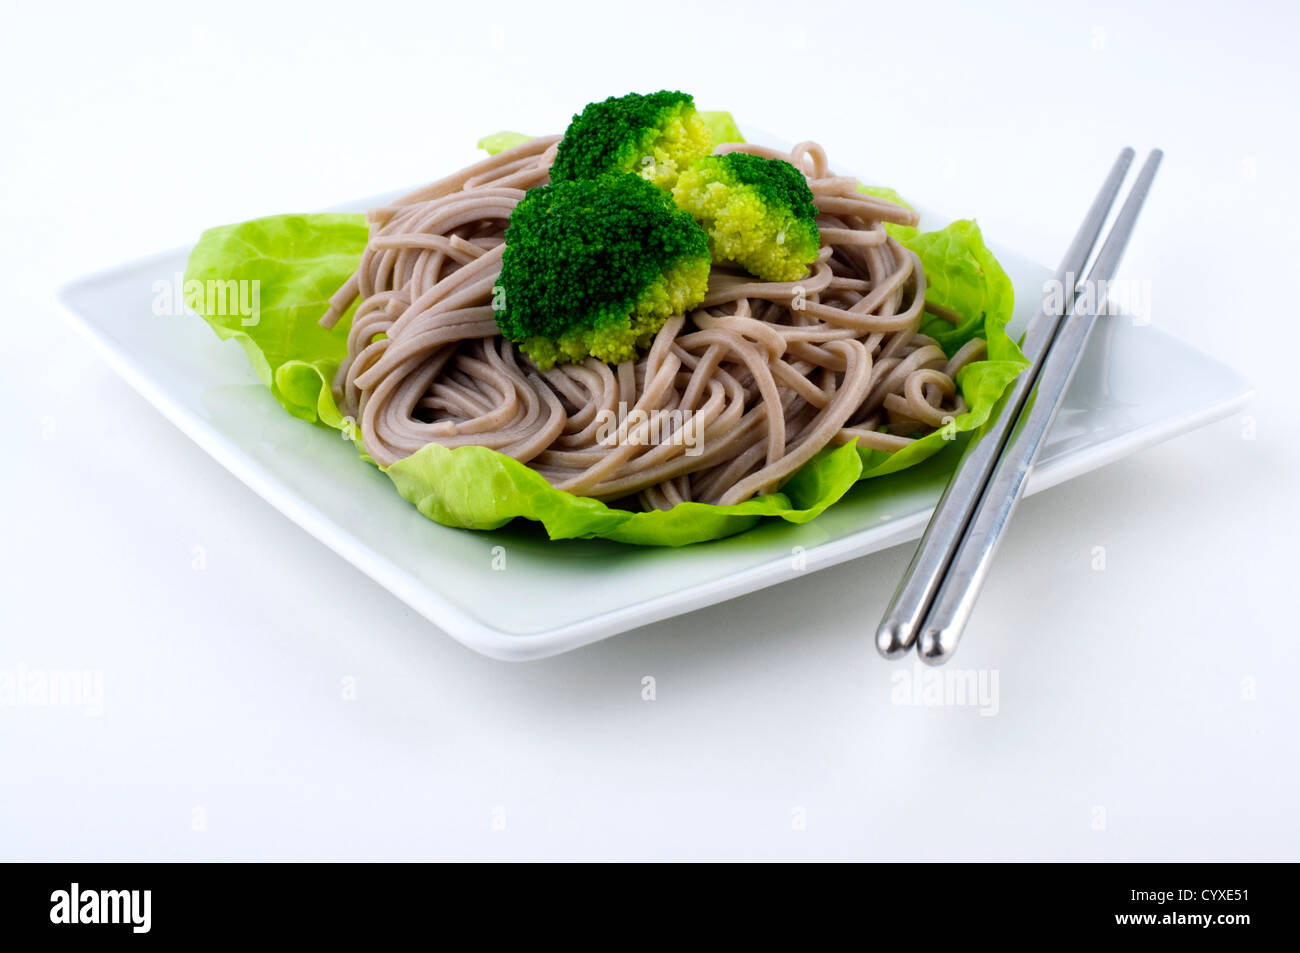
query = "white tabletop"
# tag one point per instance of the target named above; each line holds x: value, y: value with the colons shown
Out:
x: 252, y: 696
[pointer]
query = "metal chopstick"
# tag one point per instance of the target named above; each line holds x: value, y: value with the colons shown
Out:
x: 970, y: 563
x: 902, y: 620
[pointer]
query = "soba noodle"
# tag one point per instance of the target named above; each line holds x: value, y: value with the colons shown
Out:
x: 737, y: 395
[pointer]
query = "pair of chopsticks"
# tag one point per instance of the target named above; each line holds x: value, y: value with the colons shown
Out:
x: 933, y: 602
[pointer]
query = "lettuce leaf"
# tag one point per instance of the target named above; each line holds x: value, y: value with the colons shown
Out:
x: 299, y: 260
x: 501, y: 141
x: 478, y: 488
x: 881, y: 192
x: 721, y: 127
x: 963, y: 276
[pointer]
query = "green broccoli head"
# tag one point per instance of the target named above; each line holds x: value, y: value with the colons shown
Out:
x: 595, y: 267
x: 655, y: 136
x: 759, y: 213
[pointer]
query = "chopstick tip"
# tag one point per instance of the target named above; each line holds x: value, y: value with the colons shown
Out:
x: 936, y: 644
x: 893, y: 638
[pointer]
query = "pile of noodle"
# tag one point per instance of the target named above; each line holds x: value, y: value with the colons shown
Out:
x: 766, y: 373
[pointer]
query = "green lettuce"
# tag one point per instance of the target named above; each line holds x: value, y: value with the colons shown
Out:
x: 478, y: 488
x: 501, y: 141
x: 722, y: 128
x: 963, y: 276
x: 299, y: 261
x: 881, y: 192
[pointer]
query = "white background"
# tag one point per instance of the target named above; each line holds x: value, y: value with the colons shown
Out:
x: 1156, y: 700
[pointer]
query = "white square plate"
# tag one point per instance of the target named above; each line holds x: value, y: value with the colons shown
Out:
x: 1136, y: 387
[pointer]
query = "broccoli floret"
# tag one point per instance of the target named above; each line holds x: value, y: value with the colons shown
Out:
x: 759, y: 213
x: 595, y: 267
x: 655, y: 136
